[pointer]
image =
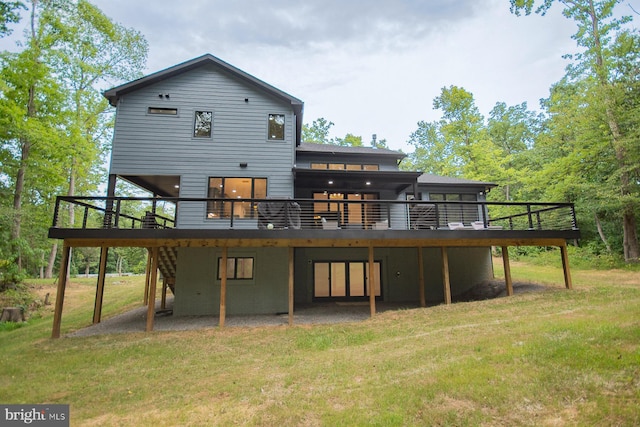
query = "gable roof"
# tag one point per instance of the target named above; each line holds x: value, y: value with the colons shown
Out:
x: 297, y: 105
x: 310, y: 147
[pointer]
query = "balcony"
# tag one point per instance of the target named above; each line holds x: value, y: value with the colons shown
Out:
x: 204, y: 218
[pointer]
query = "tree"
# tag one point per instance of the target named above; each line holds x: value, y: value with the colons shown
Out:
x: 318, y: 132
x: 349, y: 140
x: 30, y: 106
x: 596, y: 62
x: 451, y: 145
x: 54, y: 119
x: 95, y: 50
x: 9, y: 14
x: 513, y: 130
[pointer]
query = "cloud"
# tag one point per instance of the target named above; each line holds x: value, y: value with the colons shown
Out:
x: 370, y: 66
x: 308, y: 25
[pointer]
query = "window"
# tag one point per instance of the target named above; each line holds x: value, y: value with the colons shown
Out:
x: 163, y: 111
x: 276, y: 127
x: 202, y: 124
x: 238, y: 268
x: 235, y: 188
x: 342, y: 166
x: 330, y: 206
x: 457, y: 212
x: 349, y: 280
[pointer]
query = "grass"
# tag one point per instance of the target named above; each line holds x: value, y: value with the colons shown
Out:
x: 550, y: 358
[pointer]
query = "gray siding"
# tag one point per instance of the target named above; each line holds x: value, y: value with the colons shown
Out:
x: 400, y: 276
x: 198, y: 289
x: 304, y: 160
x: 147, y: 144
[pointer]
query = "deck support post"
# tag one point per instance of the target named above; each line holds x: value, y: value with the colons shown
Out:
x: 102, y: 272
x: 223, y: 287
x: 163, y: 302
x: 147, y: 277
x: 151, y: 307
x: 507, y: 270
x: 62, y: 284
x: 565, y: 267
x: 445, y: 275
x: 423, y: 302
x: 372, y: 283
x: 291, y: 280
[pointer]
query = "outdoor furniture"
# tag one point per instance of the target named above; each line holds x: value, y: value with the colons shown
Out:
x: 329, y: 225
x: 380, y: 225
x: 278, y: 215
x: 456, y: 226
x: 423, y: 217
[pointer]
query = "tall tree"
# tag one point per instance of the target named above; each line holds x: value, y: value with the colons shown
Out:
x: 453, y: 145
x: 9, y: 14
x: 318, y: 131
x: 54, y: 114
x: 513, y: 131
x: 349, y: 140
x: 596, y: 35
x: 96, y: 50
x: 30, y: 105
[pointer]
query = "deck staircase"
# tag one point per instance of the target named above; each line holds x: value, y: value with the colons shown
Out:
x: 167, y: 261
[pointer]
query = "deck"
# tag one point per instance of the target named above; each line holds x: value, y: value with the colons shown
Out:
x: 154, y: 223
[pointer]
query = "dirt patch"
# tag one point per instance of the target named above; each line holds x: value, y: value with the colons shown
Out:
x: 489, y: 289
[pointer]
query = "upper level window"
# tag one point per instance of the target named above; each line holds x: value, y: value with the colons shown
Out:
x: 457, y: 212
x: 202, y: 124
x: 345, y: 166
x: 276, y: 127
x: 235, y: 188
x: 163, y: 111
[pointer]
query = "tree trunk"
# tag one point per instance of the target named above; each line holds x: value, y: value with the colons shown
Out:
x: 25, y: 149
x: 12, y: 314
x: 601, y: 233
x: 48, y: 273
x: 72, y: 214
x: 630, y: 237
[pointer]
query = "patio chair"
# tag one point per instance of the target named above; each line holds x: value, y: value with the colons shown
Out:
x: 329, y: 225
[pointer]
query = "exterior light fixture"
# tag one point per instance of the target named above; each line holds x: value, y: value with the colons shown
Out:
x: 243, y: 165
x: 368, y: 182
x: 330, y: 182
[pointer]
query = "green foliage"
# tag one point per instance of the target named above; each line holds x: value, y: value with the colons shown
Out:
x: 54, y: 123
x: 9, y: 14
x: 349, y: 140
x: 584, y: 147
x: 318, y: 132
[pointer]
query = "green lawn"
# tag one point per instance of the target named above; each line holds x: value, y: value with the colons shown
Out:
x: 554, y: 358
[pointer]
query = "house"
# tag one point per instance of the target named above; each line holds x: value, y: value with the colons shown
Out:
x: 244, y: 217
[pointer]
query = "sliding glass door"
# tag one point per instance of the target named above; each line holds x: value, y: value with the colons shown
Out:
x: 346, y: 280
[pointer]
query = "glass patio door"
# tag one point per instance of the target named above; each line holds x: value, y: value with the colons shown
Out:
x: 347, y: 280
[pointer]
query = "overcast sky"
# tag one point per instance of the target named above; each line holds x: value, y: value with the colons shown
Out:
x: 369, y: 66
